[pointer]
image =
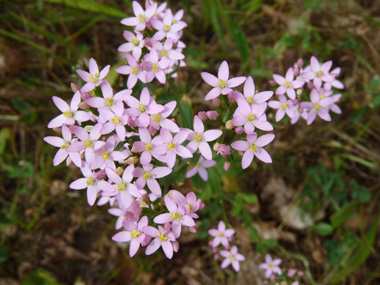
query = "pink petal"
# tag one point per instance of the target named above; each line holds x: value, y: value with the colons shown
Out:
x: 223, y: 72
x: 240, y: 145
x: 210, y: 79
x: 263, y: 155
x: 264, y: 140
x: 198, y: 125
x: 215, y: 92
x: 247, y: 159
x: 212, y: 135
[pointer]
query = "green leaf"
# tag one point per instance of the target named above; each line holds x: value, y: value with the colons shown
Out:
x: 335, y: 251
x: 92, y: 6
x: 343, y: 214
x: 266, y: 245
x: 5, y: 135
x: 41, y: 276
x: 242, y: 45
x: 250, y: 198
x: 323, y: 229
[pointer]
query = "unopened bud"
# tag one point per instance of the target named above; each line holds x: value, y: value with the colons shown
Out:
x: 132, y: 160
x: 299, y: 92
x: 229, y: 125
x: 310, y: 85
x: 119, y: 171
x: 175, y: 246
x: 202, y: 206
x: 193, y: 229
x: 83, y: 105
x: 217, y: 146
x: 231, y: 96
x: 239, y: 130
x: 216, y: 256
x: 272, y: 82
x: 227, y: 166
x: 133, y: 150
x: 58, y: 130
x: 296, y: 102
x: 69, y: 161
x: 202, y: 115
x: 74, y: 87
x: 300, y: 62
x: 296, y: 71
x: 216, y: 102
x: 215, y: 249
x: 186, y: 99
x: 240, y: 153
x: 212, y: 115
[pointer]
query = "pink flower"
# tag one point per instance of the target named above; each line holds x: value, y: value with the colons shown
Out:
x: 161, y: 119
x: 70, y: 114
x: 134, y: 45
x: 109, y: 100
x: 91, y: 183
x: 148, y: 175
x: 133, y: 70
x: 317, y: 106
x: 284, y: 107
x: 190, y: 202
x: 271, y: 266
x: 224, y: 150
x: 119, y: 213
x: 200, y: 168
x: 141, y: 16
x: 221, y: 235
x: 114, y: 120
x: 321, y: 72
x: 212, y: 115
x: 143, y: 108
x: 123, y: 189
x: 155, y: 67
x: 62, y: 153
x: 167, y: 27
x: 251, y: 117
x: 162, y: 237
x: 94, y: 78
x: 222, y: 85
x: 200, y: 138
x: 135, y: 234
x: 148, y: 146
x: 232, y: 257
x: 174, y: 147
x: 177, y: 216
x: 287, y: 84
x: 250, y: 94
x: 254, y: 146
x: 106, y: 155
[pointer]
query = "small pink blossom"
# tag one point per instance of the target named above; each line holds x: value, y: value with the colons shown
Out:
x: 94, y: 78
x: 200, y: 168
x: 271, y: 266
x: 287, y: 84
x: 221, y: 84
x: 232, y: 257
x: 163, y: 237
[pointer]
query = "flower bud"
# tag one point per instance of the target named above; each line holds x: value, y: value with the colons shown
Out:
x: 83, y: 105
x: 69, y: 161
x: 216, y: 257
x: 74, y: 87
x: 175, y: 246
x: 193, y: 229
x: 296, y: 102
x: 119, y: 171
x: 202, y: 206
x: 217, y: 146
x: 272, y: 82
x: 212, y: 115
x: 227, y: 166
x: 133, y: 150
x: 299, y: 92
x: 300, y: 62
x: 132, y: 160
x: 186, y: 99
x: 224, y: 150
x: 239, y: 130
x: 202, y: 115
x: 152, y: 130
x: 296, y: 71
x: 216, y: 102
x: 310, y: 85
x: 231, y: 96
x: 229, y: 125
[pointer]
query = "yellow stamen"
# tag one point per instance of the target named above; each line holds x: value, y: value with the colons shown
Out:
x: 90, y: 181
x: 167, y: 28
x: 288, y: 84
x: 164, y: 53
x: 250, y: 100
x: 121, y: 186
x: 175, y: 21
x: 222, y: 83
x: 232, y: 257
x: 146, y: 175
x: 221, y: 235
x: 135, y: 42
x: 319, y: 73
x: 105, y: 155
x: 253, y: 147
x: 142, y: 108
x: 116, y: 120
x: 156, y: 118
x: 251, y: 117
x: 64, y: 146
x: 87, y: 143
x: 175, y: 216
x: 148, y: 147
x: 135, y: 234
x: 322, y: 97
x: 171, y: 146
x: 284, y: 106
x: 135, y: 70
x: 199, y: 165
x: 109, y: 102
x: 198, y: 138
x: 142, y: 18
x: 162, y: 236
x: 317, y: 107
x: 155, y: 67
x: 68, y: 114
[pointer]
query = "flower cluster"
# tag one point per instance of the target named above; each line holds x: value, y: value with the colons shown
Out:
x: 222, y: 239
x: 275, y: 274
x: 154, y: 48
x: 307, y: 92
x: 248, y: 115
